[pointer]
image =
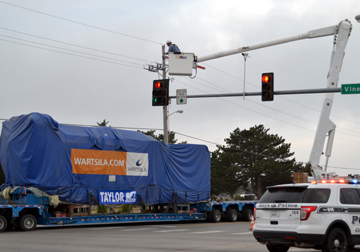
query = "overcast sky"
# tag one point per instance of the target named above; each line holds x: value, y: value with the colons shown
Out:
x: 82, y: 61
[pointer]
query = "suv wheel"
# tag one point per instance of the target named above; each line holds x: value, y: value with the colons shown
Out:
x: 277, y: 248
x: 336, y: 241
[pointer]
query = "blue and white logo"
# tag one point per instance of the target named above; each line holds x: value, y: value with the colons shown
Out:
x: 117, y: 197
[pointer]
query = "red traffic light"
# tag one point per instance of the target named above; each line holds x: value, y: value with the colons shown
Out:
x: 265, y: 78
x: 267, y: 87
x: 158, y: 84
x: 160, y: 93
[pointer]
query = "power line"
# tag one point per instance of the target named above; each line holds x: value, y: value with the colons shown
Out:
x: 288, y: 114
x: 95, y: 27
x: 62, y: 42
x: 266, y: 115
x: 68, y: 50
x: 83, y: 24
x: 70, y: 54
x: 303, y: 105
x: 277, y: 119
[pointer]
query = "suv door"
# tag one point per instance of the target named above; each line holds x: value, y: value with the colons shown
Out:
x: 350, y: 208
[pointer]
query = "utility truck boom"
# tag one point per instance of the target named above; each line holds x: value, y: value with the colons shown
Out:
x: 326, y: 128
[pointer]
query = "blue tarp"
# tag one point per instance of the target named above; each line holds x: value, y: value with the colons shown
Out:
x: 36, y: 151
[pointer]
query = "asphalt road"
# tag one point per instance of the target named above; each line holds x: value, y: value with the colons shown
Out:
x: 170, y: 236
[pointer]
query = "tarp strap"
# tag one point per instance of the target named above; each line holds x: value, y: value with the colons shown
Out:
x: 159, y: 195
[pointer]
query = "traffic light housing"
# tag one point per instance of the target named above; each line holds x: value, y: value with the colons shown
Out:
x: 267, y: 87
x: 160, y: 93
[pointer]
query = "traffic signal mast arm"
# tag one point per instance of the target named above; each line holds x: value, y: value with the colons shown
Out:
x: 325, y: 126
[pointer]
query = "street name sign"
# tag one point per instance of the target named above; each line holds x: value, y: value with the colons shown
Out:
x: 181, y: 96
x: 350, y: 88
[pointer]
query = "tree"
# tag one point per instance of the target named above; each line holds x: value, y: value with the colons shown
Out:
x: 103, y: 123
x: 160, y: 137
x: 252, y: 157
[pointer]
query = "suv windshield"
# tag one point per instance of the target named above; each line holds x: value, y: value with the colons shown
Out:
x: 295, y: 195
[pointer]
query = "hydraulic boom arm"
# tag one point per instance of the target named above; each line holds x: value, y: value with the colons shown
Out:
x: 326, y: 128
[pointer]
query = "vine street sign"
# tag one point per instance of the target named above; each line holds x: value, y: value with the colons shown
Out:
x: 350, y: 88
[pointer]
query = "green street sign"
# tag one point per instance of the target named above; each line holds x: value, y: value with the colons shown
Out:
x: 350, y: 88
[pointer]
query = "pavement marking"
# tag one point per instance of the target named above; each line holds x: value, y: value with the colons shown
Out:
x: 171, y: 230
x: 137, y: 229
x: 246, y: 233
x: 212, y: 224
x: 208, y: 232
x: 163, y: 226
x: 98, y: 228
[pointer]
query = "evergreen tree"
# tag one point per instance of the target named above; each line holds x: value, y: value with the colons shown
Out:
x: 160, y: 137
x: 252, y: 157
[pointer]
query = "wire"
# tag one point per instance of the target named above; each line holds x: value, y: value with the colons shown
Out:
x: 282, y: 97
x: 83, y: 24
x: 71, y: 54
x: 288, y: 114
x: 61, y: 48
x: 266, y: 115
x: 84, y: 47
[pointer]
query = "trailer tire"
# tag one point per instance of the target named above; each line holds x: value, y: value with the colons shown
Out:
x: 3, y: 223
x: 27, y: 222
x: 10, y: 226
x: 247, y: 213
x: 216, y: 215
x: 231, y: 215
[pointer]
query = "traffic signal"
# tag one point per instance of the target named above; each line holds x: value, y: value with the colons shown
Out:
x: 267, y: 87
x: 160, y: 93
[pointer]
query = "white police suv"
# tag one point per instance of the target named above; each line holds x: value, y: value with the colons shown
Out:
x: 323, y: 215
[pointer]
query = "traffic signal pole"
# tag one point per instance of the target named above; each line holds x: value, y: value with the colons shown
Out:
x: 280, y: 92
x: 165, y: 116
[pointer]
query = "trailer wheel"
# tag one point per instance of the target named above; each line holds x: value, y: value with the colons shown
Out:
x: 27, y: 222
x: 231, y: 215
x: 247, y: 213
x: 216, y: 215
x: 3, y: 223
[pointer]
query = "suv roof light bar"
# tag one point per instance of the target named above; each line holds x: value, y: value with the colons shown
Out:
x: 336, y: 181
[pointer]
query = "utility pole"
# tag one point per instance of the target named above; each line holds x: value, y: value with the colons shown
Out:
x: 166, y: 136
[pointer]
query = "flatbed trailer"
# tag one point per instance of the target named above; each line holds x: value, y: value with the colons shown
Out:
x: 26, y: 217
x: 228, y: 210
x: 26, y: 211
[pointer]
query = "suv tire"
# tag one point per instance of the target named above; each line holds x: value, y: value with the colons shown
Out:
x: 335, y: 241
